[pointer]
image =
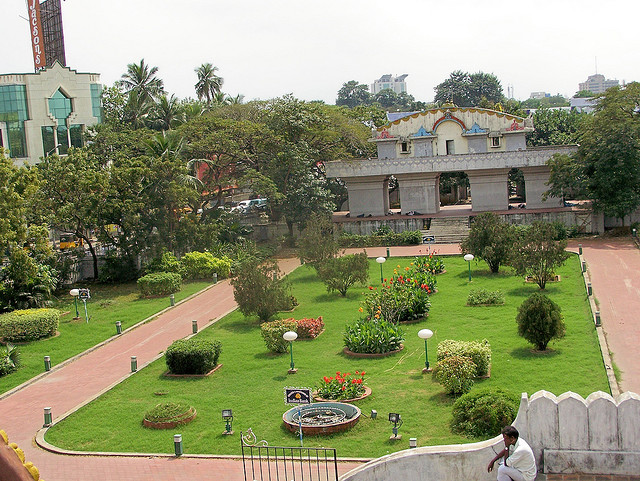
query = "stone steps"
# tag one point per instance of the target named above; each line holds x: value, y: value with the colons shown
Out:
x: 448, y: 230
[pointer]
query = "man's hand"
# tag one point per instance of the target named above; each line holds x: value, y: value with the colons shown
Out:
x: 490, y: 467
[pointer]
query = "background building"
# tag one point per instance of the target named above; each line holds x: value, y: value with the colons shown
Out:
x: 46, y: 112
x: 388, y: 81
x: 597, y: 84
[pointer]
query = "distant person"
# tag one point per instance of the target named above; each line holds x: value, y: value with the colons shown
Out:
x: 518, y: 462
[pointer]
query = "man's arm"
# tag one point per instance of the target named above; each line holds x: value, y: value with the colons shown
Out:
x: 501, y: 454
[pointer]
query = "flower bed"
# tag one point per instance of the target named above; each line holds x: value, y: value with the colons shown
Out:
x: 341, y: 387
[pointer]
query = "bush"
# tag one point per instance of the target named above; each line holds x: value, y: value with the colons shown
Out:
x: 375, y: 336
x: 29, y: 324
x: 258, y: 290
x: 309, y: 328
x: 316, y: 243
x: 540, y: 320
x: 9, y: 359
x: 383, y: 237
x: 399, y: 300
x: 169, y: 412
x: 272, y: 334
x: 428, y: 264
x: 340, y: 273
x: 159, y: 284
x: 118, y: 269
x: 490, y: 239
x: 192, y: 356
x: 478, y: 351
x: 483, y: 297
x: 456, y: 374
x: 484, y: 413
x: 167, y: 262
x: 202, y: 265
x: 342, y: 386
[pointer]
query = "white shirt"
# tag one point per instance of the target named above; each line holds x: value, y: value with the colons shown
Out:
x: 522, y: 459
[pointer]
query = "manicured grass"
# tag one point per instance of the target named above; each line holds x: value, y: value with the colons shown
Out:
x: 251, y: 380
x: 108, y: 304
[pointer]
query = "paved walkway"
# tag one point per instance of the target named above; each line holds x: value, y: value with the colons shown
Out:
x: 612, y: 264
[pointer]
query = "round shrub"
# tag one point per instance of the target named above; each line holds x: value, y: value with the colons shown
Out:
x: 373, y: 336
x: 202, y: 265
x: 9, y: 359
x: 192, y: 356
x: 456, y: 374
x: 272, y: 333
x: 159, y: 284
x: 484, y: 413
x: 29, y: 324
x: 478, y: 351
x: 540, y: 320
x: 167, y: 262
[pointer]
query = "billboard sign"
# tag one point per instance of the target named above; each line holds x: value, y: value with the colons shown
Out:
x: 37, y: 36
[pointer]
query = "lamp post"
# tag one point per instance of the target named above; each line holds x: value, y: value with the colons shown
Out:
x: 469, y: 258
x: 425, y: 334
x: 227, y: 417
x: 75, y: 293
x: 381, y: 260
x: 52, y: 150
x: 396, y: 420
x: 291, y: 336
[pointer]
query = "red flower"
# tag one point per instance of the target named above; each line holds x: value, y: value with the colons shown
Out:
x: 357, y: 372
x: 344, y: 388
x: 362, y: 373
x: 370, y: 288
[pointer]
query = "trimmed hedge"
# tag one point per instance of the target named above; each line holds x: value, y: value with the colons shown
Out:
x: 192, y: 356
x: 272, y: 333
x: 159, y: 284
x: 478, y: 351
x: 456, y: 374
x: 484, y: 297
x: 202, y: 265
x: 484, y: 413
x: 29, y: 324
x: 404, y: 238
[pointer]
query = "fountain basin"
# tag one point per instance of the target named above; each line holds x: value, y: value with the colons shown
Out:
x: 322, y: 418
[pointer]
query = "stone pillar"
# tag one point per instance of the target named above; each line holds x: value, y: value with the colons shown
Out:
x: 419, y: 192
x: 489, y: 189
x: 535, y: 184
x: 368, y: 195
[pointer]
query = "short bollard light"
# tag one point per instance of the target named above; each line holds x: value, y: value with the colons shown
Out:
x: 598, y: 321
x: 75, y: 293
x: 425, y: 334
x: 194, y: 327
x: 118, y: 327
x: 227, y: 417
x: 381, y: 260
x: 469, y: 258
x: 388, y: 253
x: 589, y: 289
x: 291, y: 336
x: 584, y: 266
x: 580, y: 249
x: 396, y: 420
x: 47, y: 363
x: 374, y: 414
x: 634, y: 233
x: 172, y: 300
x: 47, y: 418
x: 215, y: 277
x: 134, y: 363
x: 413, y: 442
x: 177, y: 444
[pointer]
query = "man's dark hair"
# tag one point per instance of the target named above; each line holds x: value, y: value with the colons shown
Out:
x: 510, y: 431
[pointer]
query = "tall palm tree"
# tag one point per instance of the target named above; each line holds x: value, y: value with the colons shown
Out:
x: 167, y: 113
x: 141, y: 80
x: 209, y: 84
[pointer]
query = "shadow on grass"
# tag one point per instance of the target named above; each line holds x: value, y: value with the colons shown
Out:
x: 239, y: 327
x: 268, y: 355
x: 334, y: 296
x: 529, y: 353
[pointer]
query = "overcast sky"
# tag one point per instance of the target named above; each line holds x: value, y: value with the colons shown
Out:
x: 265, y: 49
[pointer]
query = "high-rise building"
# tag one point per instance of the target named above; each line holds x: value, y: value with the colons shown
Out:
x: 388, y: 81
x: 597, y: 84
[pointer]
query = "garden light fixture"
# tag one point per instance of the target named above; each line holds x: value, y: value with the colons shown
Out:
x: 75, y: 293
x: 396, y: 420
x: 227, y: 417
x: 469, y: 258
x: 381, y: 260
x: 425, y: 334
x: 291, y: 336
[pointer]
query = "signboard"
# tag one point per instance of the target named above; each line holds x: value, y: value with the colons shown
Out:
x: 297, y: 395
x: 428, y: 239
x: 37, y: 35
x: 84, y: 294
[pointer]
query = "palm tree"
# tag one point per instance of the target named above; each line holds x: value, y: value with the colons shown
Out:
x: 167, y: 113
x: 209, y: 84
x: 141, y: 79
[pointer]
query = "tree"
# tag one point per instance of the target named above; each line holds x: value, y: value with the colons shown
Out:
x: 555, y: 127
x: 352, y: 94
x: 566, y: 179
x: 537, y: 254
x: 582, y: 94
x: 490, y: 239
x: 340, y: 273
x: 540, y: 320
x: 467, y: 90
x: 387, y: 98
x: 209, y: 84
x: 167, y: 113
x: 141, y: 80
x: 316, y: 243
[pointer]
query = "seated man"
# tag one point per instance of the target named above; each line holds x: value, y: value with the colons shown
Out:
x: 519, y: 463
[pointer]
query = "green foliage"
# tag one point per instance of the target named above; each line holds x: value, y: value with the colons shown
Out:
x: 384, y: 239
x: 373, y: 336
x: 9, y: 359
x: 484, y: 413
x: 118, y: 269
x: 478, y: 351
x: 272, y: 334
x: 468, y: 90
x: 340, y: 273
x: 258, y: 289
x: 343, y: 385
x: 555, y: 127
x: 428, y: 264
x: 316, y: 242
x: 167, y: 262
x: 202, y: 265
x: 400, y: 299
x: 540, y: 320
x: 490, y: 239
x: 484, y: 297
x: 169, y: 412
x: 352, y: 94
x: 24, y: 282
x: 192, y: 356
x: 28, y: 324
x: 536, y: 253
x: 159, y: 284
x: 456, y: 374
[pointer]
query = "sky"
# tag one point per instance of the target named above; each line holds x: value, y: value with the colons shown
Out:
x: 265, y: 49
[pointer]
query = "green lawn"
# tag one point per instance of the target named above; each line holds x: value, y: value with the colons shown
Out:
x: 251, y: 380
x: 108, y: 304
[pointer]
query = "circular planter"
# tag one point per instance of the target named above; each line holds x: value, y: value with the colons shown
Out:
x: 367, y: 392
x: 169, y: 424
x: 348, y: 415
x: 365, y: 355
